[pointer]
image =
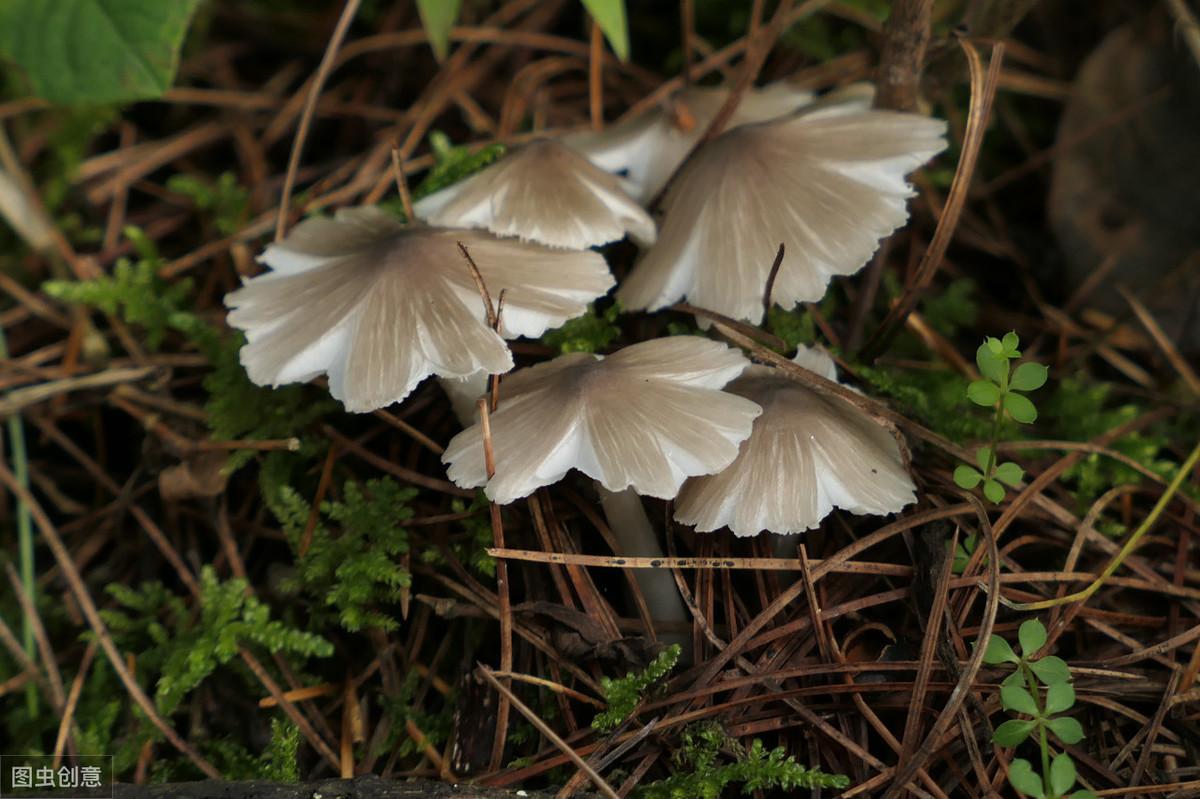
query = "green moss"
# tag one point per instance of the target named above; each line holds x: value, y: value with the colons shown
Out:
x: 1082, y: 410
x: 623, y: 695
x: 236, y: 407
x: 709, y: 760
x: 592, y: 332
x: 224, y: 199
x: 184, y: 647
x: 351, y: 565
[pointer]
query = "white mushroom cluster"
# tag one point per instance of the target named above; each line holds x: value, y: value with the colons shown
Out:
x: 378, y: 306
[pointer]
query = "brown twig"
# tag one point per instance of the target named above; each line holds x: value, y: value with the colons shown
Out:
x: 983, y: 90
x: 905, y: 37
x: 310, y: 105
x: 79, y: 590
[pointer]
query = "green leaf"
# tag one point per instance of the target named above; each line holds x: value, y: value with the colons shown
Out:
x: 1029, y: 376
x: 610, y: 16
x: 1051, y: 670
x: 983, y: 392
x: 1062, y: 774
x: 1010, y: 343
x: 1068, y: 730
x: 1016, y: 678
x: 1020, y: 774
x: 1018, y: 700
x: 1084, y: 794
x: 1032, y: 636
x: 999, y: 651
x: 438, y: 17
x: 95, y: 51
x: 1013, y: 732
x: 1020, y: 408
x: 994, y: 345
x: 1059, y: 697
x: 1010, y: 474
x: 966, y: 477
x: 982, y: 456
x: 993, y: 491
x: 992, y: 364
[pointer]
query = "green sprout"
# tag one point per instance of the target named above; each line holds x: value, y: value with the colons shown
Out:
x: 624, y: 694
x: 1000, y: 389
x: 1021, y: 693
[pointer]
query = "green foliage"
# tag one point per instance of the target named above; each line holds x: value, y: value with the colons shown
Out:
x: 1001, y: 390
x: 472, y: 549
x: 236, y: 407
x: 138, y: 295
x: 71, y: 133
x: 610, y: 16
x: 623, y: 695
x: 591, y: 332
x: 357, y: 570
x: 794, y: 327
x: 95, y: 51
x: 239, y: 409
x: 954, y: 309
x: 402, y: 707
x: 1082, y: 410
x: 1021, y: 693
x: 279, y: 760
x: 452, y: 164
x: 934, y: 397
x: 702, y: 774
x: 438, y: 17
x: 185, y: 648
x: 225, y: 199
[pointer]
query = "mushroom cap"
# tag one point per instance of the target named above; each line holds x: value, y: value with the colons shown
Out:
x: 379, y: 306
x: 649, y: 147
x: 828, y: 184
x: 464, y: 393
x: 543, y: 192
x: 808, y: 454
x: 646, y: 417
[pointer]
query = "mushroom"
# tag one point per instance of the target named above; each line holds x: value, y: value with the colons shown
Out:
x: 379, y: 306
x: 464, y: 393
x: 808, y: 453
x: 646, y: 417
x: 544, y: 192
x: 649, y: 147
x: 827, y: 183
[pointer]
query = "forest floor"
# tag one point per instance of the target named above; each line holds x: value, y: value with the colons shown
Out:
x: 237, y: 582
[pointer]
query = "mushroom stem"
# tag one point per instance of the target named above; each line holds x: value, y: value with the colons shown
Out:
x: 627, y: 519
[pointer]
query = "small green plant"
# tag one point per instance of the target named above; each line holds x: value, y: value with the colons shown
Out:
x: 472, y: 547
x: 225, y: 199
x: 954, y: 309
x: 1022, y: 693
x: 592, y: 332
x: 354, y: 570
x: 186, y: 647
x: 794, y: 327
x: 236, y: 408
x: 1000, y: 389
x: 623, y: 694
x: 452, y: 164
x: 278, y: 761
x: 701, y: 775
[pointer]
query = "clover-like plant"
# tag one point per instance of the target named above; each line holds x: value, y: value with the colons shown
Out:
x: 1000, y: 389
x: 1022, y: 693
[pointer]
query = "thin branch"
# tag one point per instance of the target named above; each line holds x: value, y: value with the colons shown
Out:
x: 310, y: 106
x: 551, y: 736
